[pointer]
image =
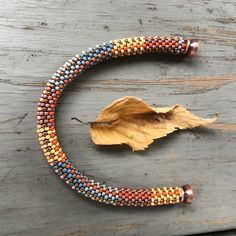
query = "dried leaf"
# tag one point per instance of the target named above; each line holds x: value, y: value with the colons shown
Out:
x: 131, y: 121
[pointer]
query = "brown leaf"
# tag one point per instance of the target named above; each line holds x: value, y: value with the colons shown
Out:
x: 131, y: 121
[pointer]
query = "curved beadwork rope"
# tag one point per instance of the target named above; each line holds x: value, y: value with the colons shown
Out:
x: 52, y: 150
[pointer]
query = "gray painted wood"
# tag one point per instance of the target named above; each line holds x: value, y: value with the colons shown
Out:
x: 37, y: 37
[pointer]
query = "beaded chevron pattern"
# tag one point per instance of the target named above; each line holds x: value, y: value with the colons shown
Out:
x: 52, y: 150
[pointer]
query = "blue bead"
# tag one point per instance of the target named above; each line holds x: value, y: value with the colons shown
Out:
x: 69, y: 176
x: 103, y: 193
x: 86, y: 189
x: 99, y: 194
x: 64, y: 165
x: 64, y: 170
x: 68, y: 171
x: 75, y: 181
x: 105, y: 197
x: 59, y: 163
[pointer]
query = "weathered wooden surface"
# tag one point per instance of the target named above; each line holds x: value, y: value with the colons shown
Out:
x: 36, y: 37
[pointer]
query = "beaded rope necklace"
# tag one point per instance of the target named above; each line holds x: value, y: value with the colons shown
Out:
x: 52, y: 150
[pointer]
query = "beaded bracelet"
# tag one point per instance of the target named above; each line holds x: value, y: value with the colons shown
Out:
x: 46, y: 117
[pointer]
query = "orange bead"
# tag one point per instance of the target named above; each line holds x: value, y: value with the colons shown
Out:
x: 164, y: 193
x: 177, y: 192
x: 71, y: 76
x: 54, y: 141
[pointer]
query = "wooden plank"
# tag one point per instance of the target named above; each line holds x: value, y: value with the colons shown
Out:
x: 37, y: 36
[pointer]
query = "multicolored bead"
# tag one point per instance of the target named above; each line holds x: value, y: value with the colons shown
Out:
x: 52, y: 150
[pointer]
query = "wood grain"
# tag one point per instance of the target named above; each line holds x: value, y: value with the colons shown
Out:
x: 38, y: 36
